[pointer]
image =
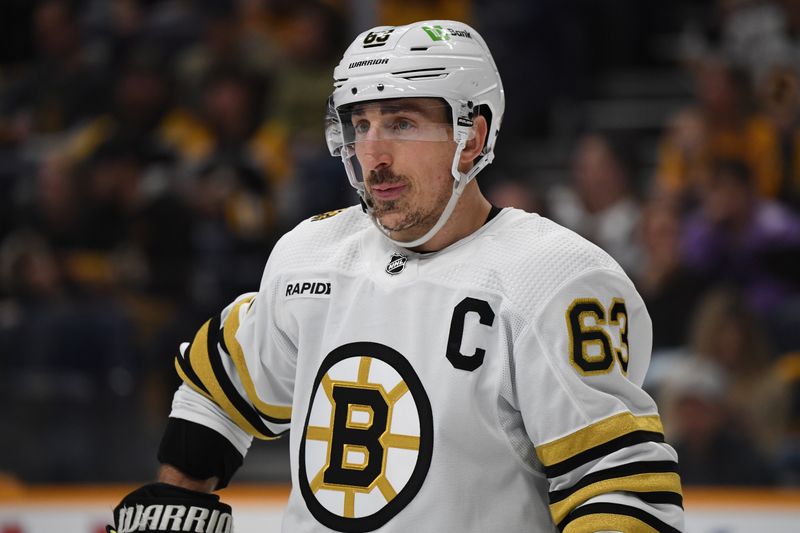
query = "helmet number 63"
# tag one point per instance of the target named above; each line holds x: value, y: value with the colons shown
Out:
x: 377, y: 38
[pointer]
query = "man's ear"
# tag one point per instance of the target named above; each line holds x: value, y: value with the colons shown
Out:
x: 474, y: 145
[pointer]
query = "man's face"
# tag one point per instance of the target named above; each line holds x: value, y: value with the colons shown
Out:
x: 405, y: 148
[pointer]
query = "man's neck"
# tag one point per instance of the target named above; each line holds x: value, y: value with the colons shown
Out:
x: 469, y: 215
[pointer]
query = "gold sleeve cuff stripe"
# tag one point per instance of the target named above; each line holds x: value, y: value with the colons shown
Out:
x: 196, y: 385
x: 608, y: 522
x: 596, y: 434
x: 216, y: 381
x: 602, y: 450
x: 664, y: 482
x: 628, y: 469
x: 274, y: 413
x: 613, y: 517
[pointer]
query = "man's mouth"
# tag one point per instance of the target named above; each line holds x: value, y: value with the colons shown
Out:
x: 387, y: 191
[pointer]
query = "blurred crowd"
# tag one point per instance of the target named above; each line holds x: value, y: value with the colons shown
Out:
x: 152, y: 151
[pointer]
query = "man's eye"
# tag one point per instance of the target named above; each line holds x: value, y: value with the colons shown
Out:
x: 361, y: 127
x: 403, y: 125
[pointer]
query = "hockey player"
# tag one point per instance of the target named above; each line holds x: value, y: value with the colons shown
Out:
x: 443, y: 365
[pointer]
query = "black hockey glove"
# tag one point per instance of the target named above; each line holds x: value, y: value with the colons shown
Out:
x: 162, y: 507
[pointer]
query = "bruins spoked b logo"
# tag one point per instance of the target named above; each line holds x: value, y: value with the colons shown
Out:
x: 368, y: 438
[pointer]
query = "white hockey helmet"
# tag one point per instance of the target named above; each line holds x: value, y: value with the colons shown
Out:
x: 432, y: 59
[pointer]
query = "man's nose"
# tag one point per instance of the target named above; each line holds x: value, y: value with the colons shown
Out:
x: 375, y: 152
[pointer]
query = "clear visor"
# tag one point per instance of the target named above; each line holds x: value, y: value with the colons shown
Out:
x: 400, y: 119
x: 364, y: 128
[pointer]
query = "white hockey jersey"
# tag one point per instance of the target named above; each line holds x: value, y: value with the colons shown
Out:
x: 491, y: 386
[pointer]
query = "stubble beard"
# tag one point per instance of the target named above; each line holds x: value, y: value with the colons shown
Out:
x: 410, y: 216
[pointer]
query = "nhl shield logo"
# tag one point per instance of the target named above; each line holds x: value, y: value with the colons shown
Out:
x: 396, y: 264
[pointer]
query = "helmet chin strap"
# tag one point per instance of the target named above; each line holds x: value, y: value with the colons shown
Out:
x: 459, y: 184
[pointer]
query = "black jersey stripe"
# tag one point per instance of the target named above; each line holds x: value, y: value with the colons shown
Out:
x: 602, y: 450
x: 630, y: 469
x: 616, y: 509
x: 237, y: 401
x: 189, y: 372
x: 596, y: 434
x: 224, y: 349
x: 638, y: 478
x: 205, y: 360
x: 267, y: 411
x: 221, y: 341
x: 663, y: 497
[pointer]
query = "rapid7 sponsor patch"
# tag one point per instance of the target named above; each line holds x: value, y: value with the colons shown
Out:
x: 312, y: 288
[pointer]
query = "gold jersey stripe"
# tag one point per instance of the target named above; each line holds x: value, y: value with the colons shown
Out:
x: 201, y: 364
x: 363, y: 370
x: 596, y: 434
x: 327, y: 386
x: 608, y: 522
x: 386, y: 489
x: 237, y: 354
x: 319, y: 433
x: 662, y: 482
x: 406, y: 442
x: 397, y: 392
x: 316, y: 483
x: 349, y: 504
x: 188, y: 381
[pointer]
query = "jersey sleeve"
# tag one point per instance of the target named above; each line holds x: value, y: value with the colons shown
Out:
x: 238, y: 372
x: 578, y: 368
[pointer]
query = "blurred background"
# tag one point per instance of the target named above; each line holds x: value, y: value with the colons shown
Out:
x: 152, y: 151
